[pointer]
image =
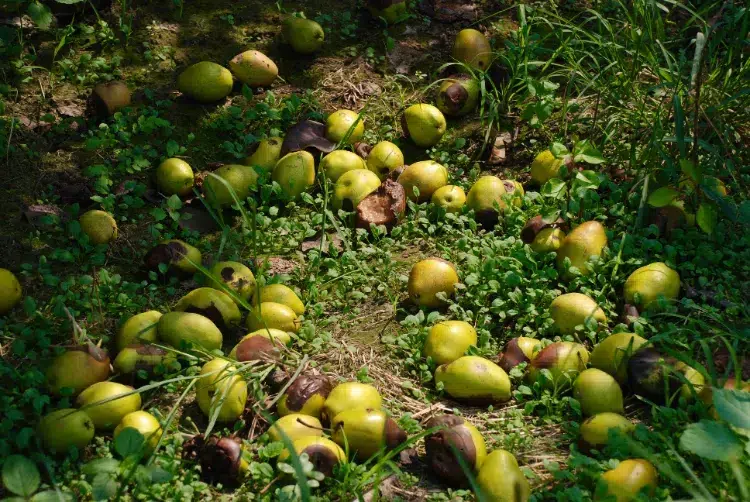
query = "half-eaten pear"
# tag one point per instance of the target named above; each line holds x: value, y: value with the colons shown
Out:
x: 180, y: 257
x: 213, y: 304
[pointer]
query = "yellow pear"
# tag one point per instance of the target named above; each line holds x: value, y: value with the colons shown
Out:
x: 597, y: 392
x: 611, y: 355
x: 106, y: 403
x: 175, y: 177
x: 295, y: 426
x: 64, y: 429
x: 254, y: 69
x: 545, y: 167
x: 240, y: 178
x: 185, y: 329
x: 205, y: 82
x: 341, y: 122
x: 323, y: 453
x: 501, y: 480
x: 273, y: 315
x: 220, y: 387
x: 350, y: 395
x: 234, y: 276
x: 10, y: 291
x: 573, y: 309
x: 143, y: 422
x: 140, y: 328
x: 384, y: 158
x: 424, y: 124
x: 449, y: 340
x: 646, y: 285
x: 427, y: 176
x: 365, y: 432
x: 586, y: 240
x: 295, y: 173
x: 280, y: 293
x: 99, y: 226
x: 486, y: 193
x: 450, y: 197
x: 474, y: 379
x: 564, y: 360
x: 266, y: 154
x: 473, y: 48
x: 352, y: 187
x: 339, y: 162
x: 430, y: 277
x: 548, y: 239
x: 630, y: 477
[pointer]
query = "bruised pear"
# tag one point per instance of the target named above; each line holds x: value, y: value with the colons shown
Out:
x: 340, y: 162
x: 349, y: 395
x: 518, y: 350
x: 322, y: 453
x: 64, y: 429
x: 452, y: 198
x: 120, y: 400
x: 345, y: 125
x: 611, y: 355
x: 458, y: 95
x: 175, y: 177
x: 472, y: 48
x: 267, y: 153
x: 145, y: 423
x: 392, y: 11
x: 10, y: 291
x: 352, y: 187
x: 280, y: 293
x: 305, y: 36
x: 597, y: 392
x: 364, y: 432
x: 384, y: 158
x: 660, y: 378
x: 254, y: 69
x: 486, y: 199
x: 595, y: 430
x: 99, y: 226
x: 261, y: 345
x: 235, y: 276
x: 110, y: 97
x: 586, y: 240
x: 213, y: 304
x: 240, y: 180
x: 205, y: 82
x: 474, y: 379
x: 275, y: 335
x: 575, y: 309
x: 295, y: 173
x: 186, y: 329
x: 516, y: 191
x: 306, y: 396
x: 455, y: 439
x: 294, y: 427
x: 273, y: 315
x: 646, y: 285
x: 547, y: 240
x: 77, y: 368
x: 221, y: 391
x: 449, y: 340
x: 501, y: 480
x: 424, y: 124
x: 564, y: 360
x: 426, y: 176
x: 430, y: 277
x: 138, y: 357
x: 179, y: 256
x: 545, y: 167
x: 628, y: 479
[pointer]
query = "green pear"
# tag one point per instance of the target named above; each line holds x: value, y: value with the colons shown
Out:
x: 77, y: 368
x: 213, y: 304
x: 384, y: 158
x: 323, y: 453
x: 597, y: 392
x: 273, y: 315
x: 458, y: 95
x: 392, y: 11
x: 146, y: 358
x: 547, y: 240
x: 205, y: 82
x: 352, y: 187
x: 61, y: 430
x: 474, y: 379
x: 452, y: 198
x: 305, y: 36
x: 586, y: 240
x: 295, y: 173
x: 175, y: 177
x: 574, y: 309
x: 449, y: 340
x: 472, y: 48
x: 595, y: 430
x: 280, y: 293
x: 146, y: 424
x: 234, y: 276
x: 365, y: 432
x: 429, y: 277
x: 628, y: 479
x: 339, y: 162
x: 240, y: 178
x: 140, y: 328
x: 350, y: 395
x: 427, y: 176
x: 179, y: 329
x: 254, y: 69
x: 486, y: 193
x: 501, y: 480
x: 267, y: 153
x: 294, y: 427
x: 611, y: 354
x: 545, y: 167
x: 106, y: 403
x: 646, y: 285
x: 221, y: 392
x: 99, y: 226
x: 341, y: 122
x: 424, y: 124
x: 10, y: 291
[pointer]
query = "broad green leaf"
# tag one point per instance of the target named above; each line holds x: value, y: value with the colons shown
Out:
x: 101, y: 466
x: 695, y: 173
x: 20, y: 475
x: 104, y: 487
x: 712, y: 440
x: 40, y: 14
x: 554, y: 188
x: 51, y: 496
x: 559, y: 150
x: 733, y: 406
x: 129, y: 442
x: 585, y: 151
x: 706, y: 217
x: 662, y: 197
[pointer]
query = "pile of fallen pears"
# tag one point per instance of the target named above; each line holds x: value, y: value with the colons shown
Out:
x: 334, y: 422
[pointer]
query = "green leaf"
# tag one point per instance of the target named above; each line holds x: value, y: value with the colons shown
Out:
x: 733, y: 406
x: 695, y: 173
x: 559, y: 150
x: 101, y: 466
x: 585, y: 151
x: 129, y: 442
x: 159, y: 475
x: 20, y: 475
x: 712, y: 440
x: 40, y: 14
x: 554, y: 188
x: 662, y: 197
x: 706, y: 217
x: 745, y: 212
x: 104, y: 487
x: 51, y: 496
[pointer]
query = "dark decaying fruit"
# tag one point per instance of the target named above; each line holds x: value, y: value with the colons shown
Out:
x: 220, y: 458
x: 384, y: 206
x: 458, y: 438
x: 536, y: 225
x: 307, y: 135
x: 306, y: 395
x: 174, y: 254
x: 518, y: 350
x: 659, y: 377
x: 257, y: 348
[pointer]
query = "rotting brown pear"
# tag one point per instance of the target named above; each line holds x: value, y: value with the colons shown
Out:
x: 306, y: 395
x: 518, y: 350
x: 323, y: 453
x: 456, y: 437
x: 458, y: 95
x: 235, y: 276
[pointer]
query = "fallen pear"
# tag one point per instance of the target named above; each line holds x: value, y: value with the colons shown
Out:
x: 306, y: 395
x: 213, y: 304
x: 77, y: 369
x: 597, y: 392
x: 281, y: 293
x: 340, y: 162
x: 175, y: 177
x: 146, y: 424
x: 295, y: 426
x: 352, y: 187
x: 474, y: 379
x: 545, y: 167
x: 431, y: 277
x: 322, y: 453
x: 452, y: 198
x: 183, y: 330
x: 646, y: 285
x: 661, y: 378
x: 139, y: 357
x: 455, y: 439
x: 141, y: 328
x: 595, y: 430
x: 548, y: 240
x: 295, y: 173
x: 449, y: 340
x: 99, y: 226
x: 458, y: 95
x: 519, y: 350
x: 63, y: 429
x: 221, y: 392
x: 392, y: 11
x: 235, y: 276
x: 267, y: 153
x: 108, y: 98
x: 273, y: 315
x: 501, y: 480
x: 305, y: 36
x: 177, y: 255
x: 586, y: 240
x: 611, y: 355
x: 345, y: 125
x: 240, y: 180
x: 350, y: 395
x: 575, y: 309
x: 628, y: 479
x: 10, y: 291
x: 205, y: 82
x: 564, y: 360
x: 384, y: 158
x: 472, y: 48
x: 364, y: 432
x: 106, y: 403
x: 385, y: 206
x: 275, y: 335
x: 254, y: 69
x: 426, y: 176
x: 486, y: 199
x: 424, y: 124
